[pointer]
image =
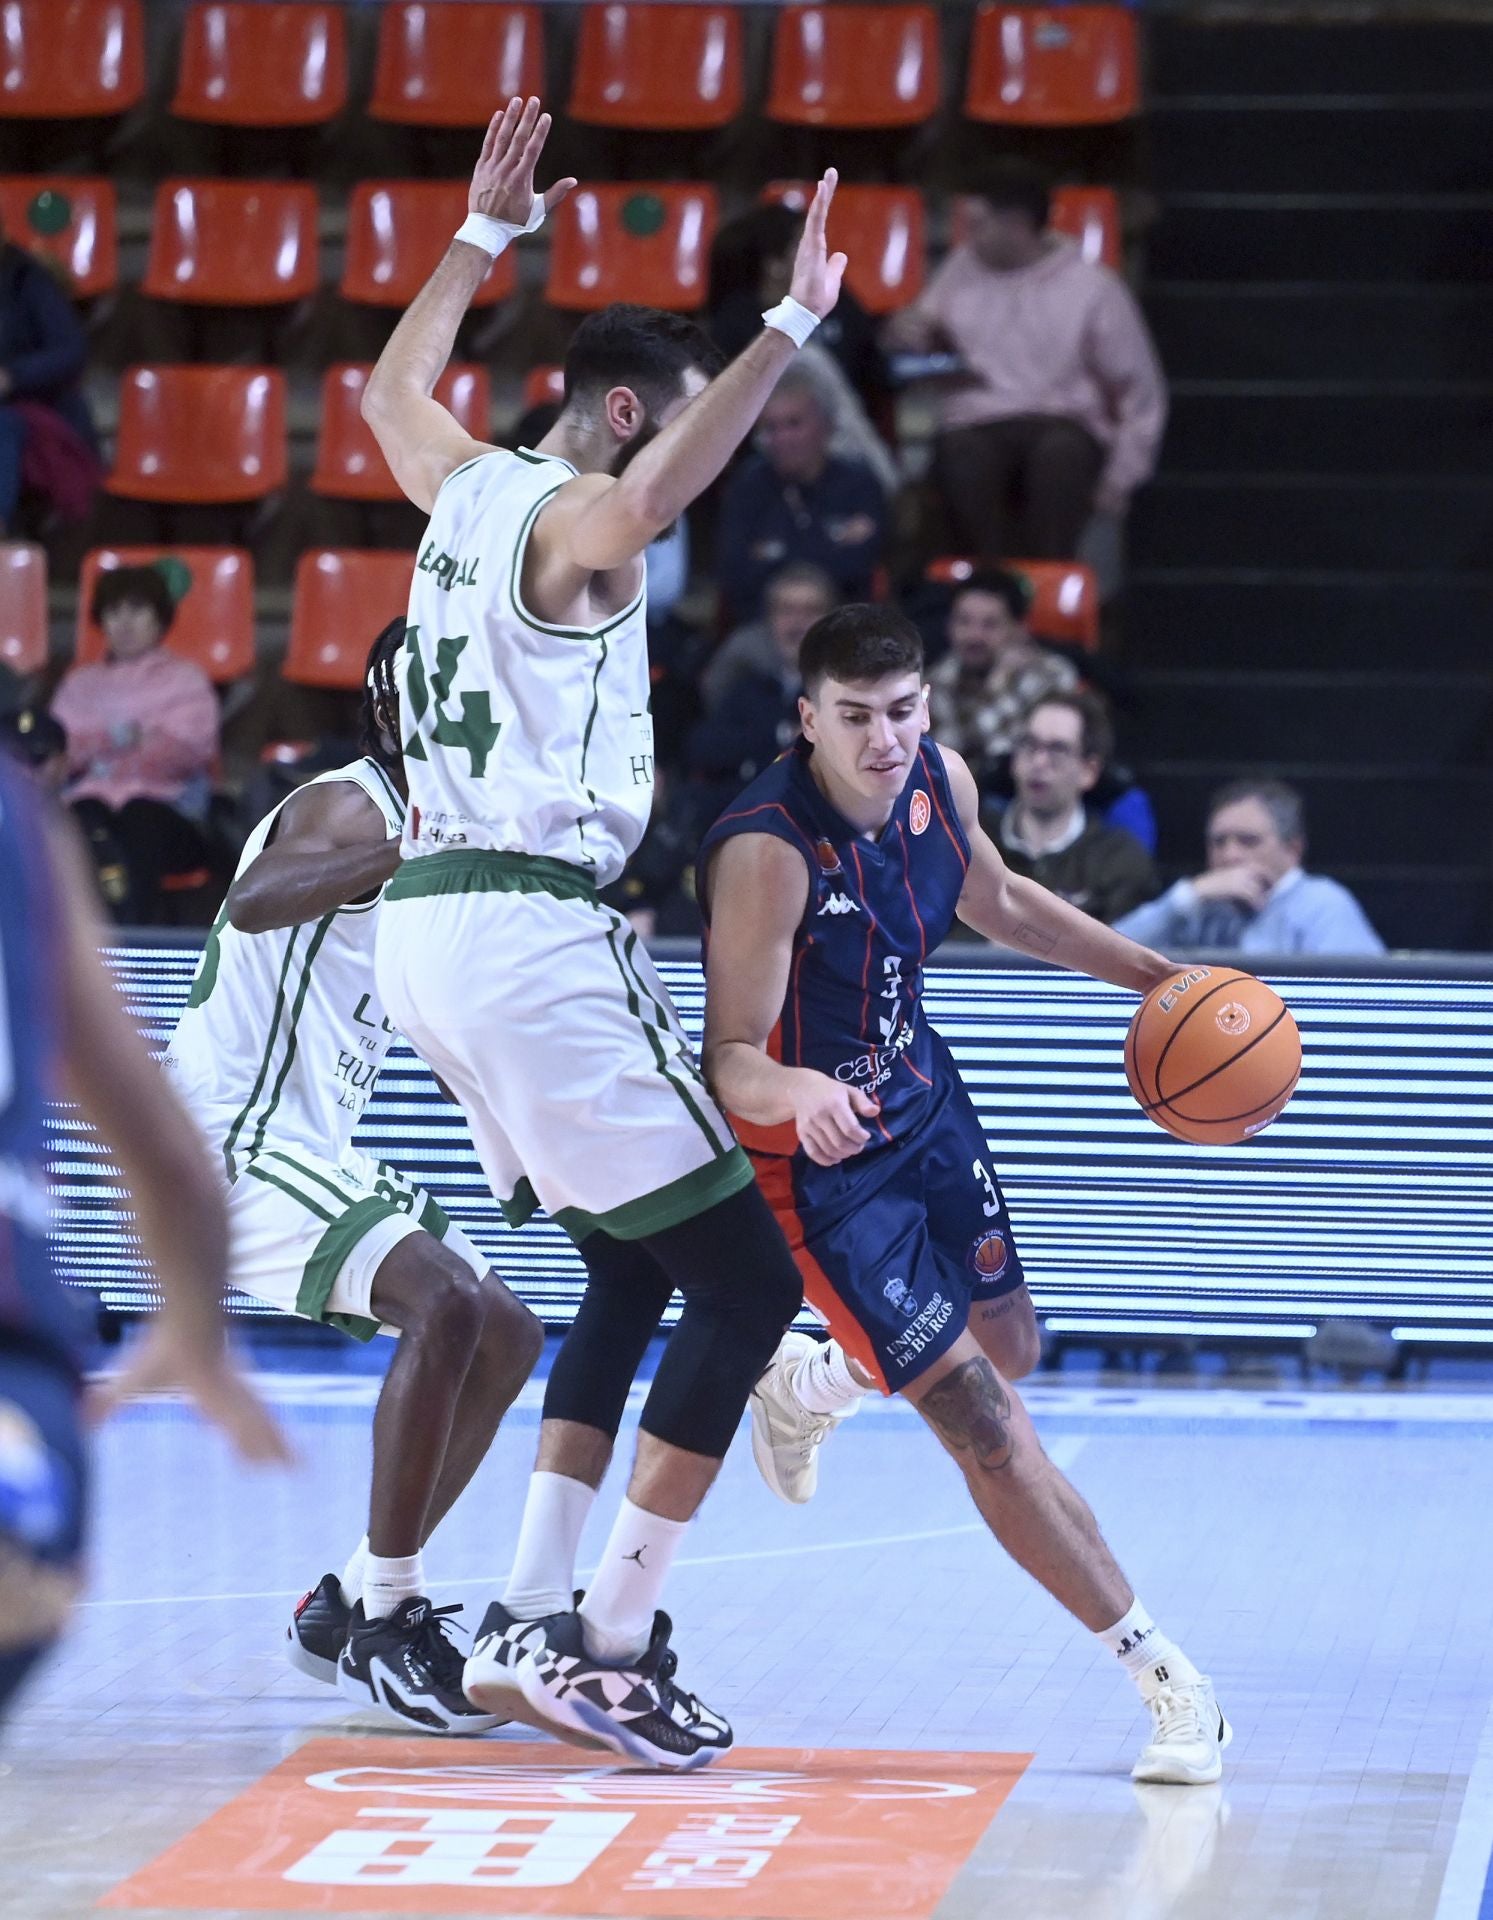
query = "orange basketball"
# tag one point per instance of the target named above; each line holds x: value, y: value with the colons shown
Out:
x: 1213, y: 1055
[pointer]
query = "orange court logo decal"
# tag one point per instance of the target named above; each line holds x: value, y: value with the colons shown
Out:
x: 493, y: 1827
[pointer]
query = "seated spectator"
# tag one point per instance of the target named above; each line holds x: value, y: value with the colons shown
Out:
x: 47, y: 442
x: 797, y: 595
x: 751, y: 266
x: 1254, y: 894
x: 993, y: 672
x: 1059, y: 411
x: 1048, y: 834
x: 795, y: 500
x: 142, y: 741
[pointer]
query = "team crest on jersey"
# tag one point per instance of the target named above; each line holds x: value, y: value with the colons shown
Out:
x: 829, y: 860
x: 900, y: 1295
x: 920, y: 812
x: 989, y: 1254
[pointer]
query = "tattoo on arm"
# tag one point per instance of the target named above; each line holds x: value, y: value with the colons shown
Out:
x: 998, y: 1307
x: 970, y: 1411
x: 1033, y: 940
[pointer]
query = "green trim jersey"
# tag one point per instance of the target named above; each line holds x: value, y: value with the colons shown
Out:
x: 520, y: 736
x: 284, y: 1032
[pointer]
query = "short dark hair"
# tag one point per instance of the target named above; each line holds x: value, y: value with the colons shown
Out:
x: 1014, y: 185
x: 1096, y: 729
x: 857, y: 643
x: 381, y: 690
x: 133, y: 587
x: 1281, y: 802
x: 637, y: 347
x: 1014, y: 588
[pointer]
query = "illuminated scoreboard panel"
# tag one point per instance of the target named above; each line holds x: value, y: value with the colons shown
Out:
x: 1371, y: 1198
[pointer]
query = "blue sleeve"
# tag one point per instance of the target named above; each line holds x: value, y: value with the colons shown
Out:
x: 1161, y: 923
x: 48, y: 318
x: 1133, y: 811
x: 1337, y: 923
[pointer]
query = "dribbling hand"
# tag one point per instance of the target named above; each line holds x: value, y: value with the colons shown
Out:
x: 828, y: 1116
x: 503, y: 180
x: 817, y: 273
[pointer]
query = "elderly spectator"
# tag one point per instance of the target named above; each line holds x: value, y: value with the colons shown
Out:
x: 1060, y: 409
x: 797, y: 595
x: 142, y: 739
x: 47, y: 441
x: 795, y: 500
x: 993, y: 672
x: 1047, y: 832
x: 751, y: 265
x: 1254, y: 894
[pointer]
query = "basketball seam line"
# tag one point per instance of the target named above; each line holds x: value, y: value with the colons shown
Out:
x: 1170, y: 1099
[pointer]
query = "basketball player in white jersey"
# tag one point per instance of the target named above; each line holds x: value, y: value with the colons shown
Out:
x: 276, y: 1056
x: 528, y: 748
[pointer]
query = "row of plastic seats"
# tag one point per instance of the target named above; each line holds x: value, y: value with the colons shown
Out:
x: 254, y: 243
x: 343, y: 596
x: 258, y: 63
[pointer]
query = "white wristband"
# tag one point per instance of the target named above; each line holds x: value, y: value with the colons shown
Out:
x: 493, y: 236
x: 791, y: 318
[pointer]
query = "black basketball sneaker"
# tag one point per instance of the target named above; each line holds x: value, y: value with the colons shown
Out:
x: 634, y: 1709
x: 490, y: 1677
x: 318, y: 1630
x: 407, y: 1664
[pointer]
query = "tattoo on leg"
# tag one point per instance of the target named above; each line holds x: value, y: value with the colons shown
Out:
x: 970, y: 1411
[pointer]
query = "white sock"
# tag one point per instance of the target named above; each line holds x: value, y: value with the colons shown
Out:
x: 543, y: 1577
x: 387, y: 1581
x: 617, y: 1612
x: 352, y: 1574
x: 823, y: 1382
x: 1143, y: 1650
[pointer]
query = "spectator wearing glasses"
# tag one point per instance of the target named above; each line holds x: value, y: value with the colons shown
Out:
x: 994, y: 671
x: 1048, y: 834
x: 1254, y: 894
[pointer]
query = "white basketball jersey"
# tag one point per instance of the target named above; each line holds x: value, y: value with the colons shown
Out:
x: 284, y: 1033
x: 519, y: 736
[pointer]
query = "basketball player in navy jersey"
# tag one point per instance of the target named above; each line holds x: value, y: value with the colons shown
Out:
x: 825, y: 886
x: 64, y: 1034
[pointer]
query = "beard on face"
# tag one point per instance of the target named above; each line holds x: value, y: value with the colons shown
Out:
x: 645, y: 435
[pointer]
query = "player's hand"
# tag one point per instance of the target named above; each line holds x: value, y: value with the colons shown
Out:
x: 816, y: 273
x: 165, y: 1359
x: 828, y: 1117
x: 1249, y: 885
x: 503, y: 182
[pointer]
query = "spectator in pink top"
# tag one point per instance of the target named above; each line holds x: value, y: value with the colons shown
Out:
x: 142, y: 738
x: 1060, y: 408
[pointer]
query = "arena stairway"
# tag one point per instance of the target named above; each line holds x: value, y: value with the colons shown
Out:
x: 1312, y: 584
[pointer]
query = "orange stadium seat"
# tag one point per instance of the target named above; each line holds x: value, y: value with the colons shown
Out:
x: 397, y: 231
x: 214, y: 589
x: 349, y: 465
x: 1052, y: 66
x: 232, y: 243
x: 1089, y: 215
x: 70, y: 59
x: 544, y: 387
x: 855, y: 66
x: 658, y: 65
x: 70, y: 222
x: 648, y: 243
x: 23, y: 606
x: 343, y: 597
x: 1065, y: 595
x: 262, y: 63
x: 209, y: 434
x: 451, y: 63
x: 881, y: 229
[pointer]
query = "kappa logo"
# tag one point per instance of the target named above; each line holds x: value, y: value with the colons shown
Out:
x: 920, y: 812
x: 1233, y: 1019
x: 838, y: 903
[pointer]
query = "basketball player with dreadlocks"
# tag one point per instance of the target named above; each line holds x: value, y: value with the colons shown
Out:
x: 276, y: 1055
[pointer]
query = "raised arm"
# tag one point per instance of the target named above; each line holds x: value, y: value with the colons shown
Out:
x: 1018, y: 913
x: 758, y: 889
x: 420, y: 440
x: 598, y: 525
x: 331, y: 846
x: 177, y: 1198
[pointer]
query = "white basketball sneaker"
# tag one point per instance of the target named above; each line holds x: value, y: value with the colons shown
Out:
x: 1188, y: 1736
x: 786, y: 1437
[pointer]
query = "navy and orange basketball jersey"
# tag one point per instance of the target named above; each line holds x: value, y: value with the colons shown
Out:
x: 876, y: 910
x: 33, y: 1309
